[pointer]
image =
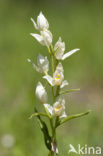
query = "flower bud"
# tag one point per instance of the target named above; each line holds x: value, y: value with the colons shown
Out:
x: 41, y: 93
x: 59, y: 49
x: 47, y: 37
x: 42, y: 22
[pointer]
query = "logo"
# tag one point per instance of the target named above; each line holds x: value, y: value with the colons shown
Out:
x: 84, y: 149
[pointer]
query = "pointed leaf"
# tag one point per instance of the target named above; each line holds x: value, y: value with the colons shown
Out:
x: 69, y: 91
x: 74, y: 116
x: 44, y: 129
x: 36, y: 114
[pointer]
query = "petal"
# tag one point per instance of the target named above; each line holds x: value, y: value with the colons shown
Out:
x: 41, y: 93
x: 47, y: 37
x: 40, y: 59
x: 64, y: 83
x: 43, y: 63
x: 39, y: 38
x: 35, y: 25
x: 63, y: 115
x: 69, y: 53
x: 59, y: 107
x: 59, y: 54
x: 59, y: 44
x: 42, y: 22
x: 59, y: 49
x: 59, y: 67
x: 49, y: 108
x: 49, y: 79
x: 62, y: 101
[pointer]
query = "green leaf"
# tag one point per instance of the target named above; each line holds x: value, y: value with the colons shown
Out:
x: 69, y: 91
x: 47, y: 113
x: 73, y: 117
x: 36, y: 114
x: 44, y: 129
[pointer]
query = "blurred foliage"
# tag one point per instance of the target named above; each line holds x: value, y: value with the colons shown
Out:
x: 80, y: 24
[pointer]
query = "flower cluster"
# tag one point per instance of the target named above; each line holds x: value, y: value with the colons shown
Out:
x: 42, y: 25
x: 56, y: 81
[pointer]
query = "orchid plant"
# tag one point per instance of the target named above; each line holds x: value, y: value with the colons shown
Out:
x: 55, y: 111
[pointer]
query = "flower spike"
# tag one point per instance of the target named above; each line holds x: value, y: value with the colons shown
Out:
x: 55, y: 112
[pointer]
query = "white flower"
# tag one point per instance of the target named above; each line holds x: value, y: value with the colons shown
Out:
x: 58, y: 77
x: 42, y: 22
x: 59, y: 49
x: 41, y: 93
x: 42, y: 64
x: 58, y: 108
x: 45, y: 38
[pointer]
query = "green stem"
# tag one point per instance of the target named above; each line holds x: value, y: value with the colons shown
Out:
x: 50, y: 49
x: 53, y: 127
x: 51, y: 123
x: 51, y: 153
x: 57, y: 91
x: 52, y: 90
x: 56, y: 63
x: 52, y: 62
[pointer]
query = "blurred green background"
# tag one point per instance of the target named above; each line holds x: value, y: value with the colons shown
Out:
x: 80, y: 24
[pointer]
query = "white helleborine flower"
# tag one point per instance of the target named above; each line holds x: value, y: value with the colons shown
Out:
x: 58, y: 77
x: 42, y: 22
x: 42, y: 64
x: 41, y: 93
x: 58, y: 108
x: 59, y: 49
x: 45, y: 38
